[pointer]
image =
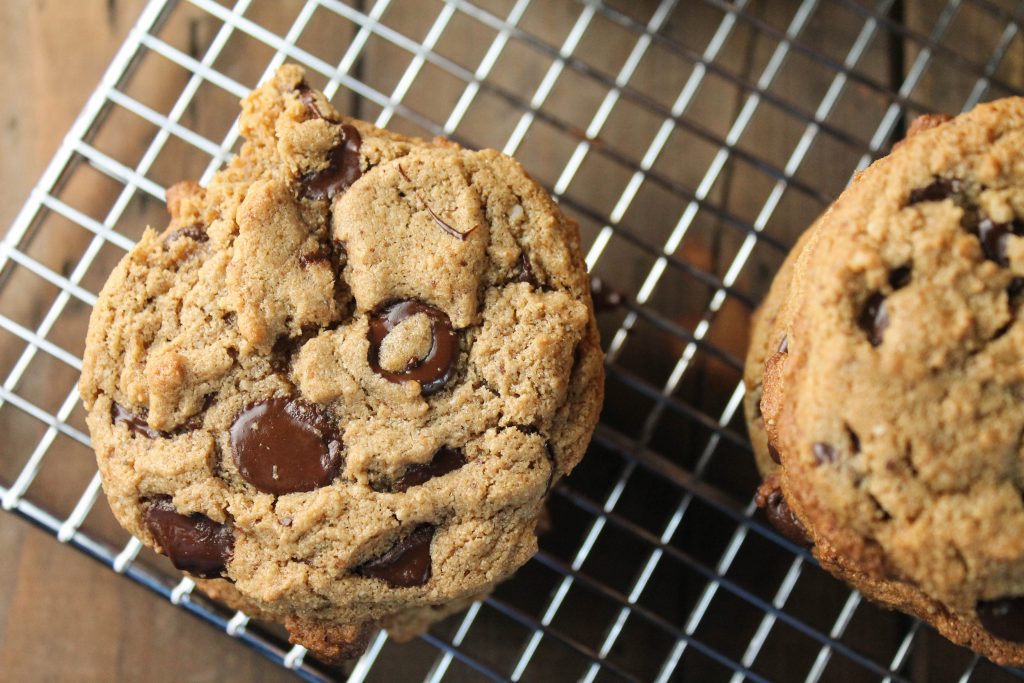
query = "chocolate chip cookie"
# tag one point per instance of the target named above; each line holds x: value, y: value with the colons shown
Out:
x: 338, y: 386
x: 886, y: 378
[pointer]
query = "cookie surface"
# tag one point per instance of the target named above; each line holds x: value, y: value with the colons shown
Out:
x: 345, y: 376
x: 895, y: 405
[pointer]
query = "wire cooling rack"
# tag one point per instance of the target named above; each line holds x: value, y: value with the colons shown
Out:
x: 693, y: 139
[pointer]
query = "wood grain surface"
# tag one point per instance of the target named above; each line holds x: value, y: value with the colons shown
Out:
x: 66, y: 617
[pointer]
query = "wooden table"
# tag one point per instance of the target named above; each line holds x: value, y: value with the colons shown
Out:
x: 64, y: 616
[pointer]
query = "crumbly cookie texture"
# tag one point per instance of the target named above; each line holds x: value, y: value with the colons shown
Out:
x: 338, y: 386
x: 886, y: 378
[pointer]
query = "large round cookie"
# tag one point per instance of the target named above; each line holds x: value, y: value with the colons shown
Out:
x: 345, y: 376
x: 895, y: 406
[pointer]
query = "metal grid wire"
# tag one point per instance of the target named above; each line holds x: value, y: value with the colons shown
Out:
x: 693, y: 139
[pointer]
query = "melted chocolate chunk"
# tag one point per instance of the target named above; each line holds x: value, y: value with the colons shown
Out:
x: 135, y: 423
x: 285, y: 347
x: 138, y: 424
x: 342, y: 169
x: 605, y: 298
x: 1003, y: 618
x: 899, y: 277
x: 285, y: 445
x: 194, y: 543
x: 196, y: 232
x: 824, y: 453
x: 407, y: 563
x: 774, y: 453
x: 784, y: 344
x: 305, y: 95
x: 994, y: 237
x: 783, y: 519
x: 874, y: 318
x: 939, y: 189
x: 435, y: 369
x: 1016, y: 286
x: 526, y: 273
x: 444, y: 461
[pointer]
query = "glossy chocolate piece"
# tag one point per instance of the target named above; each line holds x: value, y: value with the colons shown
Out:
x: 874, y: 319
x: 1003, y: 618
x: 444, y: 461
x: 407, y: 563
x: 135, y: 423
x: 783, y: 519
x: 994, y: 238
x: 939, y: 189
x: 285, y: 445
x: 784, y: 344
x: 432, y: 371
x: 305, y: 95
x: 342, y: 170
x: 774, y: 453
x: 194, y: 543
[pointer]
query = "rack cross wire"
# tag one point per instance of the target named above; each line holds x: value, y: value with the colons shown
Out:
x: 693, y: 140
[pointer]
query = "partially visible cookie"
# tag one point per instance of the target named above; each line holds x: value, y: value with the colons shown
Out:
x: 894, y: 405
x: 340, y: 384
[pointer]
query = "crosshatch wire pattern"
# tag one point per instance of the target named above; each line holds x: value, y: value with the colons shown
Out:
x: 692, y: 139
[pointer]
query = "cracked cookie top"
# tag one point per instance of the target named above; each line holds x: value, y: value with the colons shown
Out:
x: 349, y: 370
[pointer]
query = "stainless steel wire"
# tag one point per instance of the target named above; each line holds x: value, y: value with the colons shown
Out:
x: 690, y: 474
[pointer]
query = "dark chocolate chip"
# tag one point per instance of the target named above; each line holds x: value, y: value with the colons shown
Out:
x: 1003, y: 618
x: 194, y: 543
x: 783, y: 519
x: 899, y: 277
x: 444, y: 461
x: 824, y: 453
x: 305, y: 95
x: 135, y: 423
x: 526, y: 273
x: 874, y: 318
x: 774, y: 453
x: 784, y: 344
x: 605, y: 298
x: 1016, y: 286
x: 342, y: 168
x: 435, y: 369
x: 284, y: 445
x: 939, y: 189
x: 285, y: 347
x: 407, y: 563
x: 854, y: 440
x: 196, y: 232
x: 994, y: 237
